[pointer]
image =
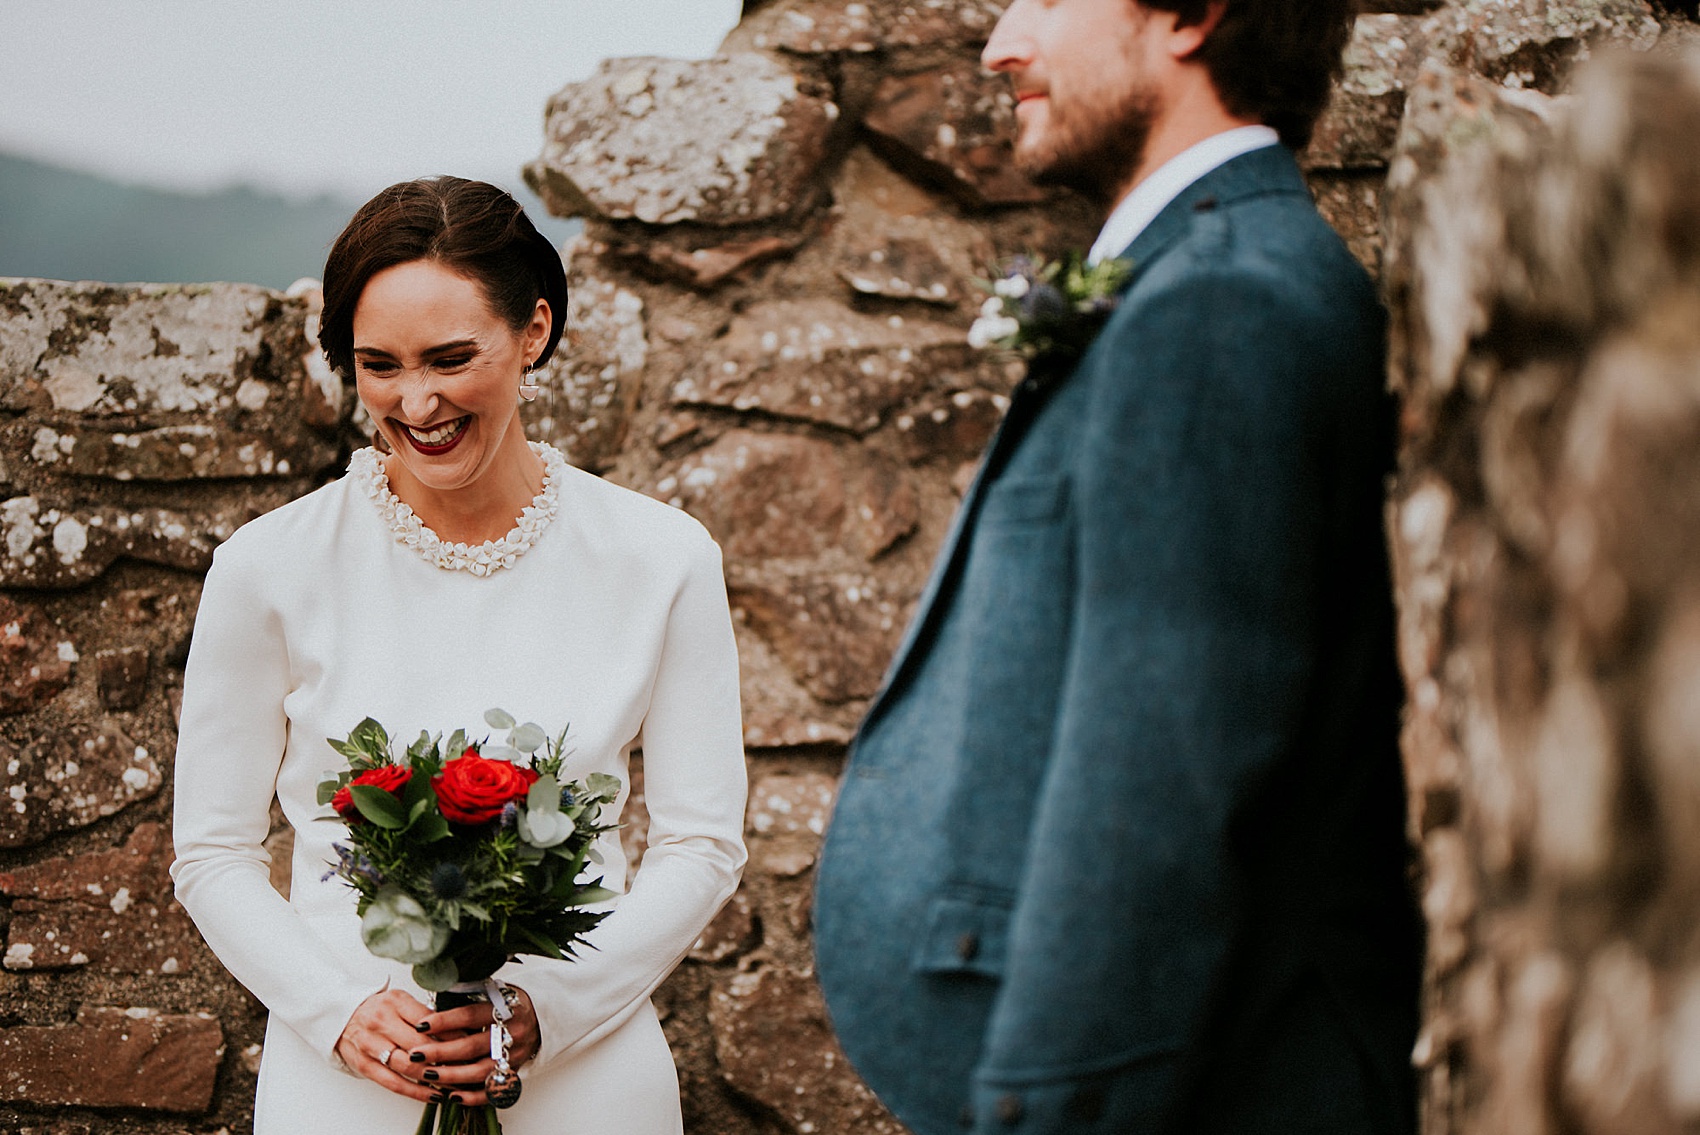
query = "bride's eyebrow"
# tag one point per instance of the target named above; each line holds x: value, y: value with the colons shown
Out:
x: 439, y: 349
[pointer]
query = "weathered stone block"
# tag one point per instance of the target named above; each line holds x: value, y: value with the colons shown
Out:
x: 724, y: 141
x: 105, y: 350
x: 108, y: 910
x: 955, y: 130
x: 35, y: 656
x: 1531, y: 44
x: 70, y: 779
x: 703, y: 267
x: 818, y: 361
x: 735, y: 930
x: 952, y: 428
x: 775, y: 1047
x: 592, y: 383
x: 196, y: 451
x: 49, y: 546
x: 902, y: 269
x: 790, y: 803
x: 835, y: 632
x: 122, y: 676
x: 767, y: 495
x: 1362, y: 120
x: 816, y: 27
x: 134, y: 1058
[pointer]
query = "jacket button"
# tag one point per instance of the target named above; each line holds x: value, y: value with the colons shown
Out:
x: 968, y: 946
x: 1010, y: 1110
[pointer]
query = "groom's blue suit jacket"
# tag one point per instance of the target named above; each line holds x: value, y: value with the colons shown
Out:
x: 1120, y: 846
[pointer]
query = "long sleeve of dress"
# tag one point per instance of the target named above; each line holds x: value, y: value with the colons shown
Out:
x: 230, y: 744
x: 695, y: 786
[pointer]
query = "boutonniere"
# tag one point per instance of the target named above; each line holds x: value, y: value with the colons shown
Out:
x: 1048, y: 309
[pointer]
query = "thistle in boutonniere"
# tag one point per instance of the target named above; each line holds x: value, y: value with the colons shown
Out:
x: 1051, y: 309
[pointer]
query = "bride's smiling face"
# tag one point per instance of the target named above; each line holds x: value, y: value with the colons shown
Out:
x: 438, y: 370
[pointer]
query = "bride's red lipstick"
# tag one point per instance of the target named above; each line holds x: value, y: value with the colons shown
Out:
x: 435, y: 450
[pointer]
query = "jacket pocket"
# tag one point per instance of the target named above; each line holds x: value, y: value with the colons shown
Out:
x: 963, y: 936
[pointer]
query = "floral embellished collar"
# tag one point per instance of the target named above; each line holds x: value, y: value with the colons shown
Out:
x: 1049, y: 310
x: 367, y: 471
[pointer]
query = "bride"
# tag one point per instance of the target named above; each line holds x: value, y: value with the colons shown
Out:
x: 456, y: 568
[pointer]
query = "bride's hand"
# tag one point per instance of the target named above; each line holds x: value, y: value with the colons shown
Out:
x: 456, y: 1054
x: 378, y: 1038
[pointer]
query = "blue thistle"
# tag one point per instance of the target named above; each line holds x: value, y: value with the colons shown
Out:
x: 448, y: 881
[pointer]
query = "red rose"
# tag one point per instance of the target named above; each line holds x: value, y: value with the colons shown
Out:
x: 391, y: 778
x: 472, y: 789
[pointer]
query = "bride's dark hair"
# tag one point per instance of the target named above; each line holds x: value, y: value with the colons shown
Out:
x: 470, y: 227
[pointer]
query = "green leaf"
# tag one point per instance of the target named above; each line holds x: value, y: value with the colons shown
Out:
x: 499, y: 719
x: 378, y: 806
x: 528, y: 738
x: 436, y: 975
x: 594, y: 894
x: 602, y: 787
x: 475, y: 911
x: 546, y: 946
x: 430, y: 827
x: 327, y: 789
x: 456, y: 745
x: 425, y: 744
x: 370, y: 737
x: 396, y: 926
x: 544, y: 796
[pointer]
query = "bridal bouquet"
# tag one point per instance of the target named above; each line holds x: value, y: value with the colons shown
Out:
x: 465, y: 854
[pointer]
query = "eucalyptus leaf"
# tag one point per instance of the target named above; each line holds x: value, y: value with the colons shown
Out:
x: 499, y: 719
x: 437, y: 975
x: 457, y: 743
x: 602, y: 787
x: 544, y: 796
x: 500, y: 753
x: 327, y: 789
x: 544, y: 829
x: 528, y: 738
x: 396, y: 926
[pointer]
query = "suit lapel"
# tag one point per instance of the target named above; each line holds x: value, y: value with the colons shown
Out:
x: 1270, y: 169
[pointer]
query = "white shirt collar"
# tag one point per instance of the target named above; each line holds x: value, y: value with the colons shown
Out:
x: 1140, y: 207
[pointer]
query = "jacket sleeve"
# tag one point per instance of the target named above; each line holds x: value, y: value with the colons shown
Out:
x: 230, y: 744
x: 695, y: 787
x: 1197, y: 507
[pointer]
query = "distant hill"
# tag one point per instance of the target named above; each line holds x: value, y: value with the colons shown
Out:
x: 66, y: 225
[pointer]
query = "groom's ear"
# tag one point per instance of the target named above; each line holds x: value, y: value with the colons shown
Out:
x: 1193, y: 28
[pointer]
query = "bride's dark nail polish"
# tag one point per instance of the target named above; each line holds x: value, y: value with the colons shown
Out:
x: 422, y: 1027
x: 416, y: 1057
x: 430, y: 1073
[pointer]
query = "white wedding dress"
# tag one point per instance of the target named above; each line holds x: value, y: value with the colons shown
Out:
x: 604, y: 612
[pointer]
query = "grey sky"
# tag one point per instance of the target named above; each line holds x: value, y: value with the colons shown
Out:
x: 307, y: 96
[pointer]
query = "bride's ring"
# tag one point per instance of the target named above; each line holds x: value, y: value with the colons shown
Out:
x: 384, y: 1056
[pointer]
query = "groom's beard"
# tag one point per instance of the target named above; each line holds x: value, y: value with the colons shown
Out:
x: 1094, y: 148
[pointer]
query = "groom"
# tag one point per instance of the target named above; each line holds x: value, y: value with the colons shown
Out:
x: 1121, y: 847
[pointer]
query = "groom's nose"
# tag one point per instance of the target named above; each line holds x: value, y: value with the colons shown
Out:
x: 1010, y: 47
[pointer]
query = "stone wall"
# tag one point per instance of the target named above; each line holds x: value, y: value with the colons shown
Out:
x: 769, y: 306
x: 1544, y: 263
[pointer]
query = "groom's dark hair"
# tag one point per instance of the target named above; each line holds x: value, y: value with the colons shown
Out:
x: 1272, y: 60
x: 472, y: 228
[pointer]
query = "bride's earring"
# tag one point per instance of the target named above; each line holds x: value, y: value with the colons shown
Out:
x: 528, y: 384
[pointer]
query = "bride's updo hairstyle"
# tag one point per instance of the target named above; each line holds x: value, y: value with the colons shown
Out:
x: 472, y: 228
